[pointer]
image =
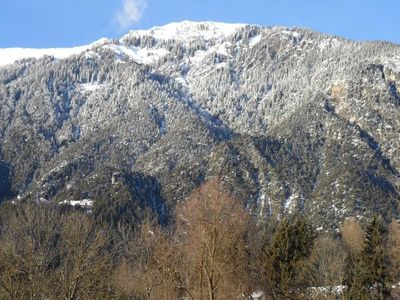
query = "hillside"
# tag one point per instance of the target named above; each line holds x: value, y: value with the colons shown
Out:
x: 292, y: 121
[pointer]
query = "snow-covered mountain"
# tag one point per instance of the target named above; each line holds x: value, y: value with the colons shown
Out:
x: 292, y: 120
x: 183, y: 32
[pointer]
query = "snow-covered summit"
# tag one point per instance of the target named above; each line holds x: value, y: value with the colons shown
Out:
x: 187, y: 31
x: 179, y: 31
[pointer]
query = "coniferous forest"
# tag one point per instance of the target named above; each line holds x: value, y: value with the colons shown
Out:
x: 211, y: 248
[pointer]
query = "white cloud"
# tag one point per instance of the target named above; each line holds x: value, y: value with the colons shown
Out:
x: 130, y: 13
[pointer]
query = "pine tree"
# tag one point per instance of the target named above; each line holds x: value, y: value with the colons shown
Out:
x: 373, y: 258
x: 291, y: 244
x: 368, y: 274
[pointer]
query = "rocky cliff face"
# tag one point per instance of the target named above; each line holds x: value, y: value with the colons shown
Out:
x: 291, y: 120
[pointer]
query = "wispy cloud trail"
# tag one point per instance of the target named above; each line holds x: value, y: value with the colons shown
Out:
x: 130, y: 13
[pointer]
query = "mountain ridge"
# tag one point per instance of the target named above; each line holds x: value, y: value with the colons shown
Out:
x: 294, y: 121
x: 169, y: 31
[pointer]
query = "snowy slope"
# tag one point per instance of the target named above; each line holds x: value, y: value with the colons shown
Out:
x: 185, y: 31
x: 10, y: 55
x: 294, y: 119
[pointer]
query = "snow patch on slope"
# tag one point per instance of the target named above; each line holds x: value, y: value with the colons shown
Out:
x: 392, y: 62
x: 330, y: 42
x: 255, y: 40
x: 90, y: 87
x: 81, y: 203
x: 290, y: 202
x: 139, y: 55
x: 291, y: 33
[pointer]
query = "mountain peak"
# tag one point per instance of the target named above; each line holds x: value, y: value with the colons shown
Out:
x: 188, y: 30
x: 179, y: 31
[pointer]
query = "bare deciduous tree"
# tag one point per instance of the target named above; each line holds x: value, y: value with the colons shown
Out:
x: 85, y: 261
x: 27, y: 254
x: 213, y: 227
x: 150, y: 266
x: 45, y: 254
x: 352, y: 235
x: 326, y: 266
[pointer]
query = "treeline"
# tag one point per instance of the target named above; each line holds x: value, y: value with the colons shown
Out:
x: 215, y: 249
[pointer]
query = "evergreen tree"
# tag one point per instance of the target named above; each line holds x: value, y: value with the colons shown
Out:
x: 291, y: 244
x: 373, y: 258
x: 368, y: 274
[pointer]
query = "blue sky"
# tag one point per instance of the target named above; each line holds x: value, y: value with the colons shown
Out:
x: 62, y: 23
